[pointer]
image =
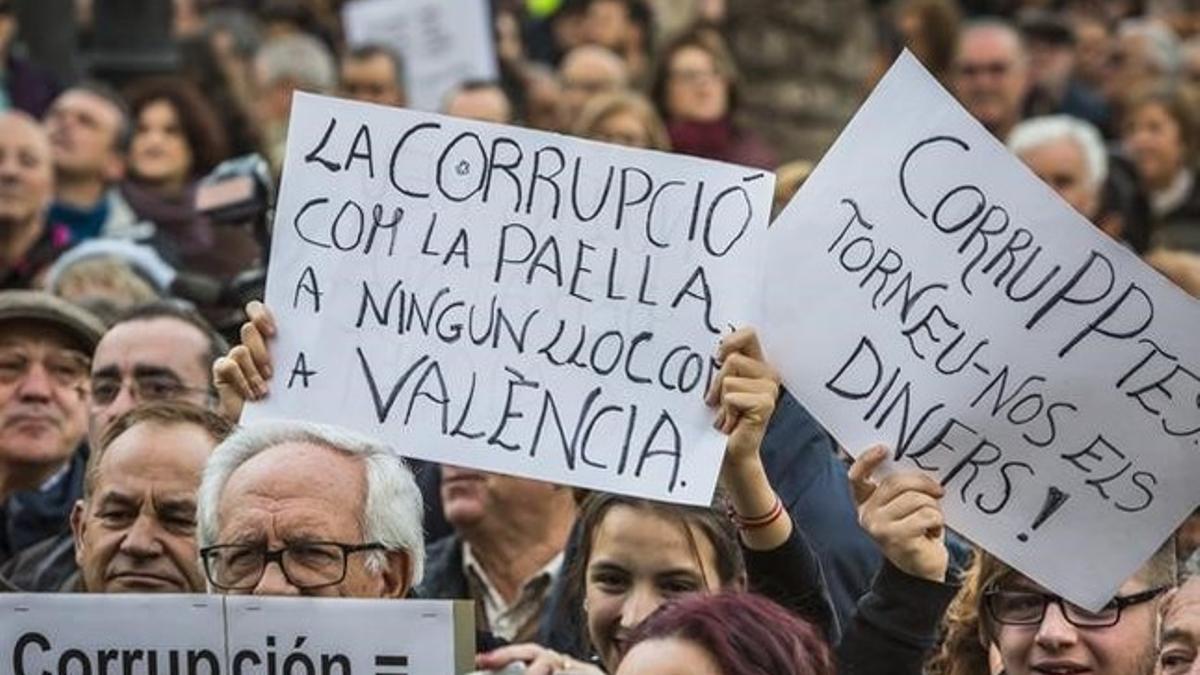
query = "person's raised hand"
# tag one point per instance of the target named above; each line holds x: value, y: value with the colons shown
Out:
x: 242, y: 374
x: 903, y: 514
x: 743, y: 392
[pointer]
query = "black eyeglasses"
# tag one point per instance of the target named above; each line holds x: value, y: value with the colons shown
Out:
x: 306, y: 565
x: 1028, y: 608
x: 143, y: 387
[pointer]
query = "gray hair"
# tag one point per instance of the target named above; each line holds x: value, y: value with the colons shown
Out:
x: 1038, y: 131
x: 993, y: 24
x: 1161, y: 42
x: 300, y: 58
x: 393, y: 510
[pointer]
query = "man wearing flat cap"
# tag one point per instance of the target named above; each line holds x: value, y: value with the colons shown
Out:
x: 45, y: 351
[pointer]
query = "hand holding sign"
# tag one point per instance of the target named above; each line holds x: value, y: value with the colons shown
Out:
x: 244, y: 373
x: 506, y: 300
x: 928, y: 291
x: 743, y: 393
x: 903, y: 514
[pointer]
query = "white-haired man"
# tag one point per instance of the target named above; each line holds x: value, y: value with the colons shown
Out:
x: 1068, y: 154
x: 293, y: 508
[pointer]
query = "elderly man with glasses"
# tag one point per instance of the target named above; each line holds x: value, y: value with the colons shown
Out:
x: 156, y: 352
x: 45, y: 348
x: 292, y: 508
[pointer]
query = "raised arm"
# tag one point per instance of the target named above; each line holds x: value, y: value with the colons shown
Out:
x: 897, y: 620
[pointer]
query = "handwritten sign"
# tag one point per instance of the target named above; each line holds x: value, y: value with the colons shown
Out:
x: 443, y: 43
x: 212, y: 635
x: 927, y: 291
x: 510, y: 300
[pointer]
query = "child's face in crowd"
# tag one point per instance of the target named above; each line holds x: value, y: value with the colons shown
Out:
x: 640, y: 560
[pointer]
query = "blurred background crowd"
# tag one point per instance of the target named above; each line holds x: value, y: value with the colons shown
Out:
x: 115, y: 185
x: 140, y: 149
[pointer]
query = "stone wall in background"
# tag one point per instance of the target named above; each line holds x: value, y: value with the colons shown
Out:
x: 803, y: 65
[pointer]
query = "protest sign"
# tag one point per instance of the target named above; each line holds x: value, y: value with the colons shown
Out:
x: 510, y: 300
x: 443, y: 43
x: 67, y: 634
x: 407, y: 637
x: 927, y: 291
x: 135, y: 634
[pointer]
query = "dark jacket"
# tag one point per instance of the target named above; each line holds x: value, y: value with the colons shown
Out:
x: 722, y: 141
x: 1180, y: 228
x: 54, y: 240
x: 29, y: 88
x: 802, y: 463
x: 46, y: 567
x: 27, y: 518
x: 895, y: 626
x: 444, y: 576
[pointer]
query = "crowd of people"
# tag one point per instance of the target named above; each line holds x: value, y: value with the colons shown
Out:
x: 128, y: 349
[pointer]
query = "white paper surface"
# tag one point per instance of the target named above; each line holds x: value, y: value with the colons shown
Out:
x: 373, y: 636
x: 43, y: 632
x: 443, y: 43
x: 1032, y: 407
x: 560, y: 327
x: 143, y: 634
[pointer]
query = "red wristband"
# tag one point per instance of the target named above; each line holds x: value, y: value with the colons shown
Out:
x: 758, y: 522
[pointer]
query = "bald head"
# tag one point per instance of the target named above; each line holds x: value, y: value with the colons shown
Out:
x: 586, y: 72
x: 26, y: 170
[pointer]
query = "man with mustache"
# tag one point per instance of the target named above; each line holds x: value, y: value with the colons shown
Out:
x: 135, y: 527
x: 45, y: 348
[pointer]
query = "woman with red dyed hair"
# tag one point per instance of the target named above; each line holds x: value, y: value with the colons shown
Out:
x: 726, y: 634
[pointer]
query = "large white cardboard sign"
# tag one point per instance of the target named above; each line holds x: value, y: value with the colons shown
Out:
x: 215, y: 635
x: 510, y: 300
x: 925, y: 290
x: 443, y: 43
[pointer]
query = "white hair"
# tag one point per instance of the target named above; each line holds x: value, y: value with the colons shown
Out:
x: 393, y: 510
x: 1038, y: 131
x: 301, y: 58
